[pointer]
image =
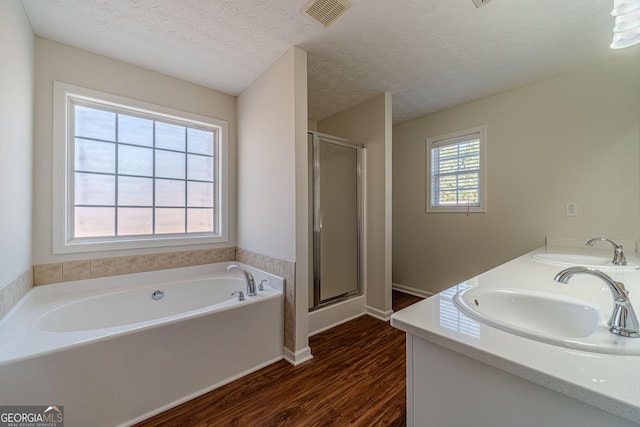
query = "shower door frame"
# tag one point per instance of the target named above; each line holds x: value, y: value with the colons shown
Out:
x: 317, y: 139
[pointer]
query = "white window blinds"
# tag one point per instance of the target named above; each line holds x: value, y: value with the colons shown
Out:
x: 455, y: 171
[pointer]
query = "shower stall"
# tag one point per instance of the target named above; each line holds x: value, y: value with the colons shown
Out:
x: 336, y: 218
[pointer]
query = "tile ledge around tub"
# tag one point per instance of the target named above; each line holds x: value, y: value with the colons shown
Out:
x: 66, y: 271
x: 13, y: 291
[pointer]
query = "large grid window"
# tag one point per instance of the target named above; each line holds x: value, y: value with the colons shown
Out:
x: 455, y: 172
x: 135, y: 174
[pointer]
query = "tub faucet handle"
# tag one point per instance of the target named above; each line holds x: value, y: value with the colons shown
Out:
x: 240, y: 295
x: 261, y: 285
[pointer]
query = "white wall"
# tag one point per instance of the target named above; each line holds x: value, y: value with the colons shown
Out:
x: 63, y: 63
x: 572, y: 138
x: 272, y: 172
x: 266, y: 162
x: 16, y: 140
x: 369, y: 123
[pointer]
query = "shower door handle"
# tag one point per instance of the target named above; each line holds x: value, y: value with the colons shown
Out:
x: 318, y: 223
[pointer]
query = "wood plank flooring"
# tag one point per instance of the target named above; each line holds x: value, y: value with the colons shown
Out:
x: 356, y: 378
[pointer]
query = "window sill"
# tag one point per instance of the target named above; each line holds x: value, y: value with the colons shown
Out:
x: 457, y: 209
x: 78, y: 246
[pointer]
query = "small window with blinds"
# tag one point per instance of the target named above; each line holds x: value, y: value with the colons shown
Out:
x: 455, y: 166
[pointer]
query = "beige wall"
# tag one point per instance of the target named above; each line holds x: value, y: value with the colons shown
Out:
x: 572, y: 138
x: 272, y: 173
x: 369, y: 123
x: 302, y: 268
x: 59, y: 62
x: 266, y: 162
x: 16, y: 141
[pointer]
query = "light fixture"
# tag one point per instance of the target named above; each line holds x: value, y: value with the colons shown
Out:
x: 626, y: 31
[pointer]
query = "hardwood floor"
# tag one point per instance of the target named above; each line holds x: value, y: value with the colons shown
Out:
x: 356, y: 378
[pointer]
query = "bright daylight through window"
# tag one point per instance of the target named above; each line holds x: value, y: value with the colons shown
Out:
x: 455, y: 164
x: 136, y: 174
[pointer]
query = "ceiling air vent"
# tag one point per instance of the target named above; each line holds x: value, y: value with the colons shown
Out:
x: 479, y: 3
x: 326, y: 11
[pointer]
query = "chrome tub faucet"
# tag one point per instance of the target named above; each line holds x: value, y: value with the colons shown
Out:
x: 248, y: 277
x: 623, y: 320
x: 618, y: 254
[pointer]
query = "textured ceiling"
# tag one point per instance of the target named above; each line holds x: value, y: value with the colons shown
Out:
x: 431, y: 54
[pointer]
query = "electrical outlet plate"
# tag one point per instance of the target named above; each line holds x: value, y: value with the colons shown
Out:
x: 479, y: 3
x: 571, y: 209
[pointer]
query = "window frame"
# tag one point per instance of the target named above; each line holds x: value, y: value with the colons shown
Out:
x: 482, y: 186
x: 63, y: 173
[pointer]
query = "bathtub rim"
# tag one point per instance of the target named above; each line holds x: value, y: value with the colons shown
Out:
x: 49, y: 297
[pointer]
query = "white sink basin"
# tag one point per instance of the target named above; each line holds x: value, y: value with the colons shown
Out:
x: 570, y: 260
x: 549, y: 318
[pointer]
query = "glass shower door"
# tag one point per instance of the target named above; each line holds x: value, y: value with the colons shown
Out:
x: 336, y: 182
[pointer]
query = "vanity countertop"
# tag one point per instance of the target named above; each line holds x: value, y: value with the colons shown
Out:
x: 608, y: 382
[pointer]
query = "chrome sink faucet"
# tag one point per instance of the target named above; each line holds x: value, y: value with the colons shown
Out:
x: 623, y: 320
x: 248, y: 277
x: 618, y: 255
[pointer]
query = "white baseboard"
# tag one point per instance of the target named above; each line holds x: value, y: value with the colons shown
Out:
x: 336, y: 314
x: 379, y: 314
x: 340, y: 322
x: 411, y: 291
x: 299, y: 356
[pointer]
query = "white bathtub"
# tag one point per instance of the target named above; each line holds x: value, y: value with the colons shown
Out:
x: 112, y: 355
